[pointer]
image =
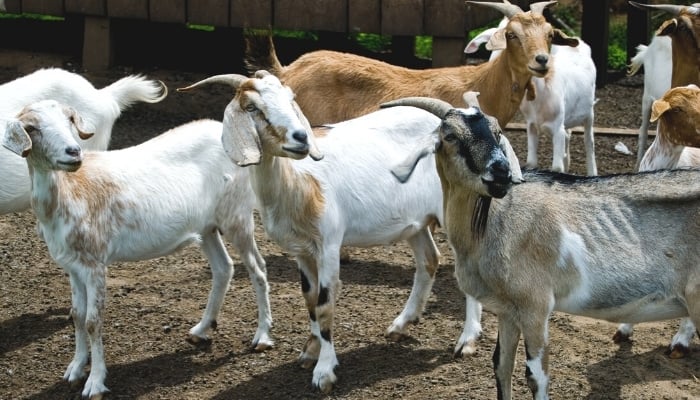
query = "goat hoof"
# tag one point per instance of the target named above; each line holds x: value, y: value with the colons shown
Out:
x: 678, y: 351
x: 307, y: 363
x: 466, y: 349
x: 98, y: 396
x: 396, y: 336
x: 620, y: 337
x: 325, y: 387
x: 260, y: 347
x: 199, y: 341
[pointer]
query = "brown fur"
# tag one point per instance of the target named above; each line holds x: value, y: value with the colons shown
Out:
x: 678, y: 112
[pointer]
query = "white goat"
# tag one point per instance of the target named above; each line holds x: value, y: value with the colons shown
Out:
x: 99, y: 108
x: 564, y: 99
x: 332, y: 86
x: 313, y: 206
x: 619, y: 248
x: 656, y: 60
x: 678, y: 114
x: 133, y: 204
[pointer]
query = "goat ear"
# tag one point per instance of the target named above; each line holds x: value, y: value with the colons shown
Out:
x: 497, y: 40
x: 668, y: 27
x: 15, y: 138
x: 83, y: 131
x: 517, y: 174
x: 562, y: 39
x: 314, y: 151
x: 483, y: 37
x: 240, y: 137
x: 428, y: 145
x: 658, y: 107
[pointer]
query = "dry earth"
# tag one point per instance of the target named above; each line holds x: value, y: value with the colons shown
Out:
x: 152, y: 304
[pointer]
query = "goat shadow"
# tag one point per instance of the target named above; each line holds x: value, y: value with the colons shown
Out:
x: 27, y: 329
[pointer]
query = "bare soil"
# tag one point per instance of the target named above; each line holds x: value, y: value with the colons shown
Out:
x: 152, y: 304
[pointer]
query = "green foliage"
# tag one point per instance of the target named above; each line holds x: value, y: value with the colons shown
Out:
x: 424, y: 47
x: 617, y: 44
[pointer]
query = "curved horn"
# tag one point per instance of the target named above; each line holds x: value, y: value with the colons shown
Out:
x: 669, y: 8
x: 505, y: 8
x: 435, y: 106
x: 234, y: 80
x: 538, y: 8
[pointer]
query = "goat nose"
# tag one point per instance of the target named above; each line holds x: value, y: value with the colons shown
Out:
x: 542, y: 59
x: 500, y: 170
x: 73, y: 151
x: 300, y: 136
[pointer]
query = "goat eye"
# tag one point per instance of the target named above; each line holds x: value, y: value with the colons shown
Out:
x: 29, y: 129
x: 510, y: 35
x: 250, y: 108
x: 450, y: 137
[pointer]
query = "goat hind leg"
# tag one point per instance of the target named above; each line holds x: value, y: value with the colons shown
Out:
x: 466, y: 345
x: 426, y: 257
x: 222, y: 272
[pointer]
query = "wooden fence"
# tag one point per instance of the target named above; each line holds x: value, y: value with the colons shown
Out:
x: 447, y: 21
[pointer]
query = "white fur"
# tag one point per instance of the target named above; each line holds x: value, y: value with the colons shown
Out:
x: 138, y: 203
x: 99, y: 108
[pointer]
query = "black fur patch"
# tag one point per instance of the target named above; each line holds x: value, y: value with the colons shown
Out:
x: 480, y: 216
x: 305, y: 285
x: 322, y: 296
x: 326, y: 334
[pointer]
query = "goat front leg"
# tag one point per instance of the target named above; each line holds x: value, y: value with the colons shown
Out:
x: 504, y: 355
x: 222, y: 272
x: 426, y: 257
x: 589, y: 143
x: 96, y: 291
x: 76, y: 369
x: 533, y: 142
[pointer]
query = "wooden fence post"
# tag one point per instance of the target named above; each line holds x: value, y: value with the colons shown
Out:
x: 595, y: 26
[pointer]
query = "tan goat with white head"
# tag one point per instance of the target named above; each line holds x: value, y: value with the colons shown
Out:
x: 332, y: 86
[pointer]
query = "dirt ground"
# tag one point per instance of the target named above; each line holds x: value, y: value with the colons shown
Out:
x: 152, y: 304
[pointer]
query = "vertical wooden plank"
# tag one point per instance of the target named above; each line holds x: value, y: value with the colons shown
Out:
x: 13, y: 6
x: 43, y: 7
x: 364, y: 16
x: 638, y: 28
x: 208, y: 12
x: 167, y: 11
x: 87, y: 7
x: 447, y: 52
x: 595, y: 25
x: 445, y: 18
x: 97, y: 44
x: 402, y: 17
x: 244, y: 15
x: 323, y: 15
x: 136, y: 9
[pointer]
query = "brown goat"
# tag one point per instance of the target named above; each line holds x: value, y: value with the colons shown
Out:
x: 332, y: 86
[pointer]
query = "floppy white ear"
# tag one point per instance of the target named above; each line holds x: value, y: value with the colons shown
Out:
x: 427, y: 146
x: 239, y: 137
x: 483, y: 37
x: 14, y: 137
x: 517, y: 174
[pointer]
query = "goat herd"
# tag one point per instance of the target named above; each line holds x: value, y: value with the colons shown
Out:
x: 338, y: 150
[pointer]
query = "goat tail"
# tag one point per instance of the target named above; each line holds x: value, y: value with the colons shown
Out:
x: 135, y: 88
x: 637, y: 61
x: 260, y: 54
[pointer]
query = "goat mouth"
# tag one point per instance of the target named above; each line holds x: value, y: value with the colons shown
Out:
x: 539, y: 71
x: 301, y: 151
x: 496, y: 189
x: 70, y: 165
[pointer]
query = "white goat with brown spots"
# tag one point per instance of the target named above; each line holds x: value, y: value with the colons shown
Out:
x: 99, y: 109
x: 146, y: 201
x: 619, y: 248
x: 332, y: 86
x: 340, y: 195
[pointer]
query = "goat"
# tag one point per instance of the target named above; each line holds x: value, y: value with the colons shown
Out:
x: 142, y: 202
x: 99, y: 108
x: 311, y: 206
x: 656, y: 59
x: 678, y: 114
x: 565, y: 99
x: 332, y: 86
x: 619, y: 247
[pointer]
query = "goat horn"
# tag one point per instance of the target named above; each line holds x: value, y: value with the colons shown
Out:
x: 538, y: 8
x: 435, y: 106
x: 234, y: 80
x: 505, y: 8
x: 669, y: 8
